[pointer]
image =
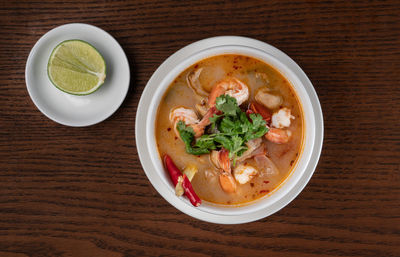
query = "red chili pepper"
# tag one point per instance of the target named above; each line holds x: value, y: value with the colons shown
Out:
x: 260, y: 109
x: 174, y: 174
x: 190, y: 193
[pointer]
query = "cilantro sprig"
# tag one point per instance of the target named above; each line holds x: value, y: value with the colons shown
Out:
x: 232, y: 130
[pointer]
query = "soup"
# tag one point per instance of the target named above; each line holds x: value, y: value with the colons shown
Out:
x: 231, y: 127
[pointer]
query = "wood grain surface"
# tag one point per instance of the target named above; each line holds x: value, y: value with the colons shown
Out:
x: 82, y: 191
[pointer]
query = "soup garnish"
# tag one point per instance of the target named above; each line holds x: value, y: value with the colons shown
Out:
x: 234, y: 125
x: 231, y: 128
x: 181, y: 182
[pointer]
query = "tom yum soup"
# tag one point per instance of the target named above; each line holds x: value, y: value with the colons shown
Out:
x: 229, y: 129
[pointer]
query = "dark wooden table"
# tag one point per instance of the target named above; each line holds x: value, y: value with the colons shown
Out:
x: 82, y: 192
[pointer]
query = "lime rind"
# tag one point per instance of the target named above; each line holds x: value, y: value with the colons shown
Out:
x: 76, y: 67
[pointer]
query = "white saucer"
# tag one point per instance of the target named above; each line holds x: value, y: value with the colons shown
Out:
x: 71, y: 110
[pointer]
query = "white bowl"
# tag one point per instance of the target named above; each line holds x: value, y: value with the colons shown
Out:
x: 163, y: 77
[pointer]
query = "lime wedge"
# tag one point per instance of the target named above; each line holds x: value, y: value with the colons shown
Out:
x: 76, y: 67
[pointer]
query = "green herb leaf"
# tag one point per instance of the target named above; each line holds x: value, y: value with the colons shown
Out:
x: 187, y: 136
x: 231, y: 130
x: 227, y: 104
x: 237, y: 141
x: 206, y: 142
x: 227, y: 125
x: 214, y: 119
x: 224, y: 141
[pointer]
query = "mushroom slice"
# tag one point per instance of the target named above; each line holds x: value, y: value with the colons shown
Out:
x: 192, y: 80
x: 267, y: 99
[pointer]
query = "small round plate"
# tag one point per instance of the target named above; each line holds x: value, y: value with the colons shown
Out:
x: 72, y: 110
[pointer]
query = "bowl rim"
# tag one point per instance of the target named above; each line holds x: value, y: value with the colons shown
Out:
x: 169, y: 69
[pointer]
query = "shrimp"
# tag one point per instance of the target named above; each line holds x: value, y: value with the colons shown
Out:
x: 190, y: 118
x: 221, y: 161
x: 227, y: 182
x: 264, y: 166
x: 281, y: 118
x: 278, y: 136
x: 229, y: 86
x: 244, y: 173
x: 199, y: 127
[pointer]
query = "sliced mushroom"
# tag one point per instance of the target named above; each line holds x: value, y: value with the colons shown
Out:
x: 266, y: 165
x: 251, y: 146
x: 262, y: 76
x: 267, y: 99
x: 192, y: 80
x: 202, y: 107
x: 244, y: 173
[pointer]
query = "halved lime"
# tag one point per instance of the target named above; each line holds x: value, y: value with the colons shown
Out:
x: 76, y: 67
